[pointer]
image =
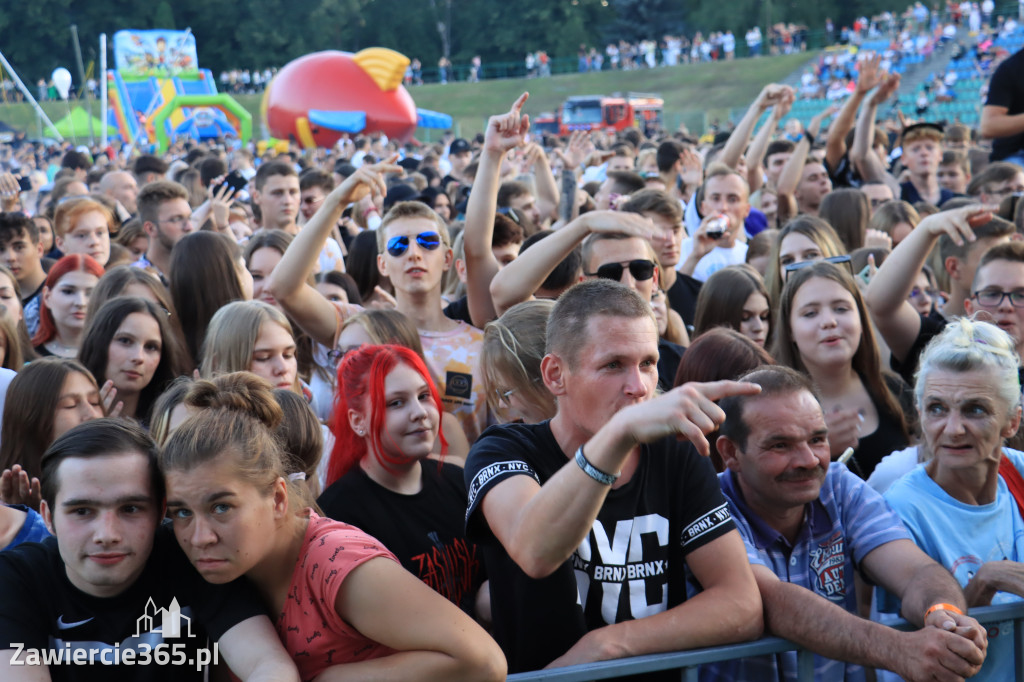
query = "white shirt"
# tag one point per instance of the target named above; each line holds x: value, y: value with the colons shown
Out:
x: 719, y: 257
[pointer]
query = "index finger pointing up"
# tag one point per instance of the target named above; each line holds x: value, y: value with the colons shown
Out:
x: 518, y: 105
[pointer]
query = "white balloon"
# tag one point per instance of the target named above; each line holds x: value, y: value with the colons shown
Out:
x: 62, y: 81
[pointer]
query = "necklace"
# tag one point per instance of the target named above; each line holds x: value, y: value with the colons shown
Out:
x: 58, y: 348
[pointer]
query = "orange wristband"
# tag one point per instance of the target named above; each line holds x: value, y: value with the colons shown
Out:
x: 942, y: 607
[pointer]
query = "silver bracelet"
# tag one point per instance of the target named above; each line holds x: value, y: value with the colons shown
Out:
x: 592, y: 471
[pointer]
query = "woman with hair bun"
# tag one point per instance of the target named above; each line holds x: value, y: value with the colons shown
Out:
x: 340, y: 597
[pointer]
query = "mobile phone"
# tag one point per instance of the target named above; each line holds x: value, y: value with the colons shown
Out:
x: 235, y: 180
x: 24, y: 184
x: 865, y: 274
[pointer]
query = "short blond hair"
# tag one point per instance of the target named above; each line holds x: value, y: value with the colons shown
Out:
x: 410, y: 209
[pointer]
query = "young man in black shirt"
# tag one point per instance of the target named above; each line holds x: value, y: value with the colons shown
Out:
x: 112, y: 596
x: 592, y: 520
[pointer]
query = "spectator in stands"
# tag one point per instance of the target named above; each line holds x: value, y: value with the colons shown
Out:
x: 895, y: 219
x: 779, y: 481
x: 541, y: 517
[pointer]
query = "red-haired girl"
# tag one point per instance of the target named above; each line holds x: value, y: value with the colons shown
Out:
x: 386, y: 419
x: 63, y: 305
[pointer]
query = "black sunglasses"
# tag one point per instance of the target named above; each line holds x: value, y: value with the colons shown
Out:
x: 808, y: 263
x: 641, y: 270
x: 427, y: 240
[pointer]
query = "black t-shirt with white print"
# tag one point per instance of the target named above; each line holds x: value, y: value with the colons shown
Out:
x: 41, y: 609
x: 631, y: 565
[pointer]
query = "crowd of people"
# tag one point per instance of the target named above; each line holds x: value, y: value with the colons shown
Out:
x: 348, y: 418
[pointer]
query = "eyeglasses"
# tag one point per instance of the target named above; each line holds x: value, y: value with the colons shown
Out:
x: 427, y: 240
x: 504, y: 396
x: 792, y: 267
x: 641, y: 270
x: 993, y: 298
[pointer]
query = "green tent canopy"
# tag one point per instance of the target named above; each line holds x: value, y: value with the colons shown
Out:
x: 76, y: 124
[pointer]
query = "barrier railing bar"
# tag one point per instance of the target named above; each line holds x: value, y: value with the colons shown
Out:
x: 687, y: 661
x: 1018, y: 648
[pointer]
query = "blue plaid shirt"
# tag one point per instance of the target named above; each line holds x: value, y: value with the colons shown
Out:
x: 846, y: 522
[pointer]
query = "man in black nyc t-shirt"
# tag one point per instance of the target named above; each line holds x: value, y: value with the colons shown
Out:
x: 590, y: 521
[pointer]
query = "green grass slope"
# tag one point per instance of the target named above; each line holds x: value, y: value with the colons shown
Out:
x: 694, y: 93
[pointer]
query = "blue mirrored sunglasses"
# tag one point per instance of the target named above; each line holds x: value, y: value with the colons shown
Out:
x: 427, y: 240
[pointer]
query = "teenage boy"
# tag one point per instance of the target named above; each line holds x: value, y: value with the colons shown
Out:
x: 276, y: 191
x: 22, y: 253
x: 414, y: 252
x: 112, y: 593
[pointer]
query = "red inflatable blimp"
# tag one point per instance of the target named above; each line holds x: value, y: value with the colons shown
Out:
x: 317, y: 98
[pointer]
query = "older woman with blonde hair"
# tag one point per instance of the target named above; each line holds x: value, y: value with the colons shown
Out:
x: 963, y: 507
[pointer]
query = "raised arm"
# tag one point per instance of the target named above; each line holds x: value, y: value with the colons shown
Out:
x: 541, y: 526
x: 862, y: 156
x: 254, y: 652
x: 433, y: 638
x: 517, y: 281
x: 886, y: 296
x: 757, y: 148
x: 288, y: 282
x: 572, y: 157
x: 789, y: 178
x: 504, y: 133
x: 770, y: 95
x: 868, y: 78
x: 543, y: 180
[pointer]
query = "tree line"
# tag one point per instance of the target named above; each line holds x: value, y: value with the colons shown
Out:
x: 35, y: 36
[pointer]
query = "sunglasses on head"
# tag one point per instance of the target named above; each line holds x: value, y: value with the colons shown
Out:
x: 641, y: 270
x: 427, y: 240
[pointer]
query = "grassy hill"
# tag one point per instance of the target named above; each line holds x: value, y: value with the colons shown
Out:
x: 694, y: 94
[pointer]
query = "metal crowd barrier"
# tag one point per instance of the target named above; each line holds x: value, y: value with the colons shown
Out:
x: 688, y: 661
